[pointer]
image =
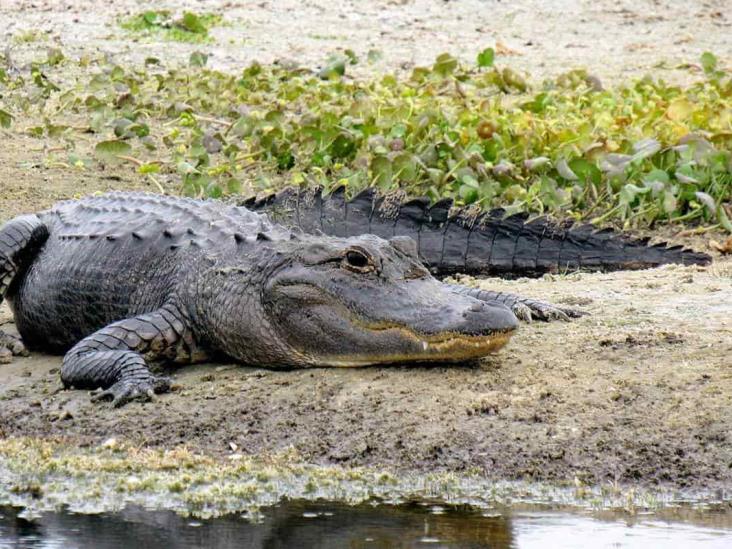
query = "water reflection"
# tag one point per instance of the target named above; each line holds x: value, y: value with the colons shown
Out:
x: 330, y: 525
x: 294, y: 524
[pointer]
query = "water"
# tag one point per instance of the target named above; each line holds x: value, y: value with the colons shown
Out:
x: 331, y: 525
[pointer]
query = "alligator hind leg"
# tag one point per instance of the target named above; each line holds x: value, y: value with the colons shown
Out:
x: 115, y: 357
x: 20, y: 240
x: 524, y: 308
x: 10, y: 346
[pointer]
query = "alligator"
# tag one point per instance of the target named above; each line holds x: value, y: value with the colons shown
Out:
x: 465, y: 240
x: 122, y: 281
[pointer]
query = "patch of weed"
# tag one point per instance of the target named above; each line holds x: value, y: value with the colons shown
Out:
x: 640, y: 153
x: 189, y: 27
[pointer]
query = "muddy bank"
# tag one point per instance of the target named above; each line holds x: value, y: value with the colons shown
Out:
x: 639, y: 391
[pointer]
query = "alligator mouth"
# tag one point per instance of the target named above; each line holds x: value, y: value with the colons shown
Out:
x: 416, y: 347
x: 444, y: 347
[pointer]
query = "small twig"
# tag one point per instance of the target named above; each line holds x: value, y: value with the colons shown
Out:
x: 250, y: 155
x: 158, y: 185
x: 213, y: 120
x: 459, y: 90
x: 600, y: 200
x: 132, y: 159
x: 698, y: 230
x: 607, y: 214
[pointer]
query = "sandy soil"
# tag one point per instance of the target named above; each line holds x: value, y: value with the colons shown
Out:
x: 613, y: 39
x: 639, y: 391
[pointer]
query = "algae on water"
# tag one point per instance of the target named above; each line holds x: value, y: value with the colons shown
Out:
x: 42, y: 475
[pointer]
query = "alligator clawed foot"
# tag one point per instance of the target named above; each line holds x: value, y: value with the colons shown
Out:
x: 127, y: 390
x: 10, y: 346
x: 532, y: 309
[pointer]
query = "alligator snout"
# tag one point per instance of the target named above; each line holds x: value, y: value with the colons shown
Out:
x: 482, y: 318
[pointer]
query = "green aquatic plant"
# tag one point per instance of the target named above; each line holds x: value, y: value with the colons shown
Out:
x: 638, y: 153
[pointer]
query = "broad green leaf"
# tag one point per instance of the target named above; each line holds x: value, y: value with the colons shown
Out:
x: 381, y: 171
x: 629, y: 192
x: 669, y: 202
x: 186, y: 168
x: 120, y: 128
x: 148, y: 169
x: 214, y: 190
x: 512, y: 79
x: 233, y: 186
x: 198, y: 59
x: 565, y: 171
x: 679, y: 109
x: 645, y: 149
x: 657, y: 175
x: 334, y: 68
x: 708, y: 62
x: 723, y: 220
x: 351, y: 55
x: 54, y: 56
x: 585, y: 170
x: 154, y: 18
x: 5, y: 118
x: 532, y: 164
x: 486, y: 57
x: 343, y: 146
x: 687, y: 174
x: 111, y: 150
x: 192, y: 23
x: 242, y: 128
x: 445, y: 64
x: 405, y: 167
x: 374, y: 55
x: 468, y: 193
x: 707, y: 200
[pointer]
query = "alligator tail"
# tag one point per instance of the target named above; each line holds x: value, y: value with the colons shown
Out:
x: 452, y: 240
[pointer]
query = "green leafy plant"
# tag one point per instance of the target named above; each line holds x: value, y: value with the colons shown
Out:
x: 639, y: 153
x: 189, y: 27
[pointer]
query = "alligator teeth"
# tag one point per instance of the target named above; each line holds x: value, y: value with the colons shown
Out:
x: 425, y: 345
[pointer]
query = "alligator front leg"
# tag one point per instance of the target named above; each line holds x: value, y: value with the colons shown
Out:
x: 20, y: 239
x: 524, y: 308
x: 115, y: 357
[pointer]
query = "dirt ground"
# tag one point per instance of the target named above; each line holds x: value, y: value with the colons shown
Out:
x: 639, y: 391
x: 613, y: 39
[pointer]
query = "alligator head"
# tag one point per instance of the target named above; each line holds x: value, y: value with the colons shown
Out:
x: 366, y: 300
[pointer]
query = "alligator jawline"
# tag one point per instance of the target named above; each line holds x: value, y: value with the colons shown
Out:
x: 445, y: 347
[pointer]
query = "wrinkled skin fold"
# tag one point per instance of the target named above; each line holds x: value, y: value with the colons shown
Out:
x: 121, y: 281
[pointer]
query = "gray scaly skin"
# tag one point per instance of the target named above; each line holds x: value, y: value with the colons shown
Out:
x: 451, y: 240
x: 120, y: 281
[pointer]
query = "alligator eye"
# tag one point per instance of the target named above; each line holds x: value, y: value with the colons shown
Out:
x: 357, y: 261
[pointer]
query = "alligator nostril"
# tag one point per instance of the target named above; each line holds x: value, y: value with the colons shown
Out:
x: 474, y: 308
